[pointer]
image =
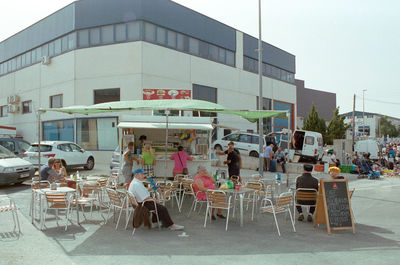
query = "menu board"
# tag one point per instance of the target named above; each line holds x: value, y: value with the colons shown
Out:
x: 337, y: 204
x: 334, y: 205
x: 161, y: 93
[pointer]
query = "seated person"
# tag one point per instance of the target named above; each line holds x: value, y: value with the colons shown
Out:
x: 59, y: 169
x: 142, y: 195
x: 306, y: 180
x: 203, y: 182
x: 281, y: 158
x: 48, y: 172
x: 334, y: 172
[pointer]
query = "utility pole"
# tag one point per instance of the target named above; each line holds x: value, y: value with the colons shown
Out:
x: 363, y: 114
x: 354, y: 120
x: 260, y: 97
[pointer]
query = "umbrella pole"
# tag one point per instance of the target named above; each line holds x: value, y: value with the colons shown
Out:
x: 39, y: 116
x: 166, y: 146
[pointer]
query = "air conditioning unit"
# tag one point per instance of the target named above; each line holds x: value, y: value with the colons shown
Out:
x: 13, y: 108
x: 9, y: 99
x: 45, y: 60
x: 13, y: 99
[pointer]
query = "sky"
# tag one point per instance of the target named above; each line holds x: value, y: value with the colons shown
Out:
x: 341, y: 46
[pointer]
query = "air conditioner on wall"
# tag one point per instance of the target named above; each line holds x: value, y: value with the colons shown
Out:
x: 13, y: 108
x: 45, y: 60
x: 12, y: 99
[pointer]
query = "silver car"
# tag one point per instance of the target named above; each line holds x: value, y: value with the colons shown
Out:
x: 114, y: 162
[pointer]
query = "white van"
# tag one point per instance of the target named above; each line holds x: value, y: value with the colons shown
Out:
x: 308, y: 144
x: 368, y: 146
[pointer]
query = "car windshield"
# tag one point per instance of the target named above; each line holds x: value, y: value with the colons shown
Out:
x: 43, y: 148
x: 5, y: 153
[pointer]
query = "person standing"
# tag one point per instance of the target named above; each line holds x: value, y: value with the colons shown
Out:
x: 281, y: 158
x: 233, y: 160
x: 148, y: 161
x: 268, y: 155
x: 306, y: 180
x: 180, y: 159
x: 127, y: 163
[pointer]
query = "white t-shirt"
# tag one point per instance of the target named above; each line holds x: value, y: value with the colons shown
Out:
x: 333, y: 158
x: 139, y: 190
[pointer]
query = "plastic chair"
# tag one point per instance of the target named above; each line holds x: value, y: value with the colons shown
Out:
x: 282, y: 206
x: 217, y: 199
x: 8, y: 205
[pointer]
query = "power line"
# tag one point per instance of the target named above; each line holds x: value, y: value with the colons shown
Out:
x: 379, y: 101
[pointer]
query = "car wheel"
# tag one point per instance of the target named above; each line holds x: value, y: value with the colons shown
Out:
x: 89, y: 164
x: 218, y: 148
x: 253, y: 154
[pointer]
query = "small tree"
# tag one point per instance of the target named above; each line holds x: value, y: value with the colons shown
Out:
x: 387, y: 128
x: 315, y: 123
x: 336, y: 128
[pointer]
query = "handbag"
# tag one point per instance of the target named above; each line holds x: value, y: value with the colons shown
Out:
x: 185, y: 171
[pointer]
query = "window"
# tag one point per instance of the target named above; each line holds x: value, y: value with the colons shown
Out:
x: 56, y: 101
x: 64, y: 147
x: 254, y: 139
x: 57, y: 47
x: 205, y: 93
x: 58, y: 130
x: 72, y: 40
x: 43, y: 148
x: 171, y: 42
x: 182, y: 42
x: 203, y: 49
x: 149, y: 32
x: 97, y: 134
x: 245, y: 138
x: 232, y: 137
x: 107, y: 34
x: 120, y: 32
x: 94, y: 36
x: 51, y: 48
x: 27, y: 107
x: 221, y: 55
x: 4, y: 111
x: 161, y: 36
x: 83, y: 38
x: 134, y: 31
x: 23, y: 146
x: 230, y: 58
x: 309, y: 140
x: 193, y: 46
x: 38, y: 54
x: 213, y: 52
x: 10, y: 145
x: 75, y: 148
x: 106, y: 95
x: 64, y: 43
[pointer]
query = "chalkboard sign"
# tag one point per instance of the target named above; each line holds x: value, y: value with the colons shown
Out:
x: 337, y: 204
x: 334, y: 206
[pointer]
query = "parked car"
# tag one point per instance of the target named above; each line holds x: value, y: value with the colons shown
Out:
x: 71, y: 154
x: 114, y: 162
x: 246, y: 143
x: 13, y: 169
x: 16, y: 145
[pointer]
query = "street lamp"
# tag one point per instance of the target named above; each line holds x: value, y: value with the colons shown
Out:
x: 363, y: 114
x: 260, y: 97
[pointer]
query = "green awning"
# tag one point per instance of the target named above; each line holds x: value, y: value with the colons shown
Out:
x: 167, y: 104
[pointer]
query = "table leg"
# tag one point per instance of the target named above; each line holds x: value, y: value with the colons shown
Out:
x: 241, y: 209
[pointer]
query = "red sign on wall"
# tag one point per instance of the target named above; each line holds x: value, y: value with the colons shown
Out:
x: 160, y: 93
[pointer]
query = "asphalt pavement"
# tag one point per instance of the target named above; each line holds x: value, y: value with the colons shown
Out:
x: 375, y: 205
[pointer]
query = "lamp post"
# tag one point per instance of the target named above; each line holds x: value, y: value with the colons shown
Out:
x: 260, y: 97
x: 363, y: 114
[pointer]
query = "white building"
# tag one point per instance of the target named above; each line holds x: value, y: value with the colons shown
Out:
x: 367, y: 124
x: 94, y: 51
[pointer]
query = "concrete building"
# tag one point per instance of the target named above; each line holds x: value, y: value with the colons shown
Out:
x: 94, y: 51
x: 324, y: 102
x: 368, y: 124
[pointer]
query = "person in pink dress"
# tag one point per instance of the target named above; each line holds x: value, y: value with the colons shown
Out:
x: 181, y: 159
x: 203, y: 181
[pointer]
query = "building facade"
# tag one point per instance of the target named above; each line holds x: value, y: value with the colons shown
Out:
x: 367, y: 125
x: 95, y: 51
x: 324, y: 102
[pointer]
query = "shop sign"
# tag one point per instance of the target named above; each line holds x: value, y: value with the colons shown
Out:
x: 161, y: 93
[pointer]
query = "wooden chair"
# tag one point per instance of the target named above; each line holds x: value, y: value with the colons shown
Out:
x: 90, y: 193
x: 35, y: 185
x: 217, y: 199
x: 57, y: 201
x: 168, y: 192
x: 254, y: 195
x: 117, y: 202
x: 282, y: 206
x: 8, y: 205
x: 187, y: 189
x: 304, y: 195
x: 195, y: 200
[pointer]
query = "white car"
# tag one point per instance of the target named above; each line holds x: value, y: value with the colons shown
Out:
x: 246, y: 143
x: 71, y: 154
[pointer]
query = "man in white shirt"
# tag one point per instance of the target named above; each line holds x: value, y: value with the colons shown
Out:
x: 142, y: 195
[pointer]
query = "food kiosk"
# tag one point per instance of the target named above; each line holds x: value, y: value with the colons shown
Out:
x: 164, y: 135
